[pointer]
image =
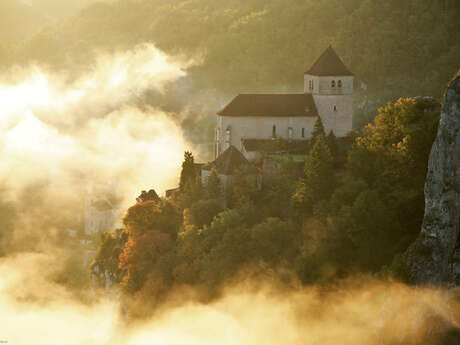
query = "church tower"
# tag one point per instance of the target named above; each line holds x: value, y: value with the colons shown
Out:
x: 330, y: 83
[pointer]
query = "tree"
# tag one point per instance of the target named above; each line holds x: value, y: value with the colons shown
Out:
x: 203, y: 212
x: 188, y: 173
x: 381, y: 202
x: 245, y: 186
x: 213, y: 185
x: 370, y: 225
x: 332, y: 144
x: 318, y: 130
x: 274, y: 240
x: 146, y: 196
x: 104, y: 268
x: 318, y: 183
x: 151, y: 230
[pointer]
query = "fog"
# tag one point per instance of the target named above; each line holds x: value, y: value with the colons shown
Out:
x: 55, y: 9
x: 60, y: 135
x: 90, y: 130
x: 362, y: 311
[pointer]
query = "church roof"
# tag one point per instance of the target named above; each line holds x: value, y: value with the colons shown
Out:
x: 329, y: 64
x: 228, y: 161
x: 271, y: 105
x: 271, y: 145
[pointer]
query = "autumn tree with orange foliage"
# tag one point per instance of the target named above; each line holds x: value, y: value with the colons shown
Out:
x: 152, y: 230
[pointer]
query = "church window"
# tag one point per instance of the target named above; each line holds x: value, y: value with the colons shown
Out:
x: 274, y: 131
x: 335, y: 108
x: 228, y: 135
x: 303, y: 132
x: 339, y: 83
x: 333, y: 83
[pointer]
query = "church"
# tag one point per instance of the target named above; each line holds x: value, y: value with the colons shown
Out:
x: 252, y: 119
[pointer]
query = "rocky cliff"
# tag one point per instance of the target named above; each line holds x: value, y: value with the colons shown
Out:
x: 434, y: 258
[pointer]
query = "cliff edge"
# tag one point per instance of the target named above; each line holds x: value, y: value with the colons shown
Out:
x: 434, y: 258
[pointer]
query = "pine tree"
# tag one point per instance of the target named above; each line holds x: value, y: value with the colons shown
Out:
x: 332, y: 144
x: 188, y: 173
x: 213, y: 185
x: 318, y: 130
x: 318, y: 183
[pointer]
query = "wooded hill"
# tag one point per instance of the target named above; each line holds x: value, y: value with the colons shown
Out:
x: 396, y: 48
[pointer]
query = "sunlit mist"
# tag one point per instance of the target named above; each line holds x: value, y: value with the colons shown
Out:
x: 91, y: 128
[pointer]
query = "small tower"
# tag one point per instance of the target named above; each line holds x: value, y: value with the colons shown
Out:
x: 331, y: 84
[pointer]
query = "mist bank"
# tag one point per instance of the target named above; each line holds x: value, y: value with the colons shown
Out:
x: 361, y: 310
x: 65, y: 137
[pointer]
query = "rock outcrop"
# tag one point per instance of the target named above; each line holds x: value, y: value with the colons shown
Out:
x: 434, y: 258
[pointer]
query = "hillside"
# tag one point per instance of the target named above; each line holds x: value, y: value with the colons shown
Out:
x: 396, y: 48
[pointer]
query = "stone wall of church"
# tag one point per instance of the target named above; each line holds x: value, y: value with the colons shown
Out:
x: 256, y: 127
x: 333, y: 85
x: 336, y: 112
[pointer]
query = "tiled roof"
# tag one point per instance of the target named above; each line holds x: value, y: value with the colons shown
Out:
x: 329, y: 64
x: 102, y: 205
x: 228, y: 161
x: 273, y: 145
x: 271, y: 105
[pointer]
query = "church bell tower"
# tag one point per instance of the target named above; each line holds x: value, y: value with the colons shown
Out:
x: 330, y: 83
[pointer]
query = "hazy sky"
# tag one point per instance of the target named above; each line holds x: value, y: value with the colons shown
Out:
x: 59, y: 7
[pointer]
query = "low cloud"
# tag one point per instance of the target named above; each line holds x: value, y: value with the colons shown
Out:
x: 91, y: 129
x: 363, y: 311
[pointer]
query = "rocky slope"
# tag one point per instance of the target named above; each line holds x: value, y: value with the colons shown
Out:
x: 434, y: 258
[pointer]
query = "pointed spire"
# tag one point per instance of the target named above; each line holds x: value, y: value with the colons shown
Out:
x: 329, y: 64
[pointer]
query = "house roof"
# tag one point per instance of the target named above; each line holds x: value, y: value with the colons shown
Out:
x: 271, y: 105
x: 270, y: 145
x: 102, y: 205
x: 329, y: 64
x: 228, y: 161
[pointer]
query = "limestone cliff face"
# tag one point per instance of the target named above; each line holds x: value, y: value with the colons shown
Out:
x: 434, y: 258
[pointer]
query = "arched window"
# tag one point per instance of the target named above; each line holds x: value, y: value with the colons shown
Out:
x: 335, y: 108
x: 274, y: 131
x: 339, y: 83
x: 333, y: 83
x: 303, y: 132
x: 228, y: 136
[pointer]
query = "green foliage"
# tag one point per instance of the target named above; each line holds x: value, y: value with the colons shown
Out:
x: 245, y: 186
x: 188, y: 174
x: 278, y: 188
x: 318, y: 183
x: 395, y: 48
x: 203, y: 212
x: 213, y: 185
x: 332, y: 144
x: 380, y: 201
x: 273, y: 241
x: 104, y: 267
x: 318, y: 131
x: 370, y: 226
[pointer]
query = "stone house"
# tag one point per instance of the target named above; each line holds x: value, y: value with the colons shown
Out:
x: 226, y: 166
x: 328, y: 93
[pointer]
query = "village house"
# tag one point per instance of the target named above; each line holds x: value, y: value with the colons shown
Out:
x: 251, y: 121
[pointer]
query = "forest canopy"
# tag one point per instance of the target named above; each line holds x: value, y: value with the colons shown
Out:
x: 312, y: 222
x: 395, y: 49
